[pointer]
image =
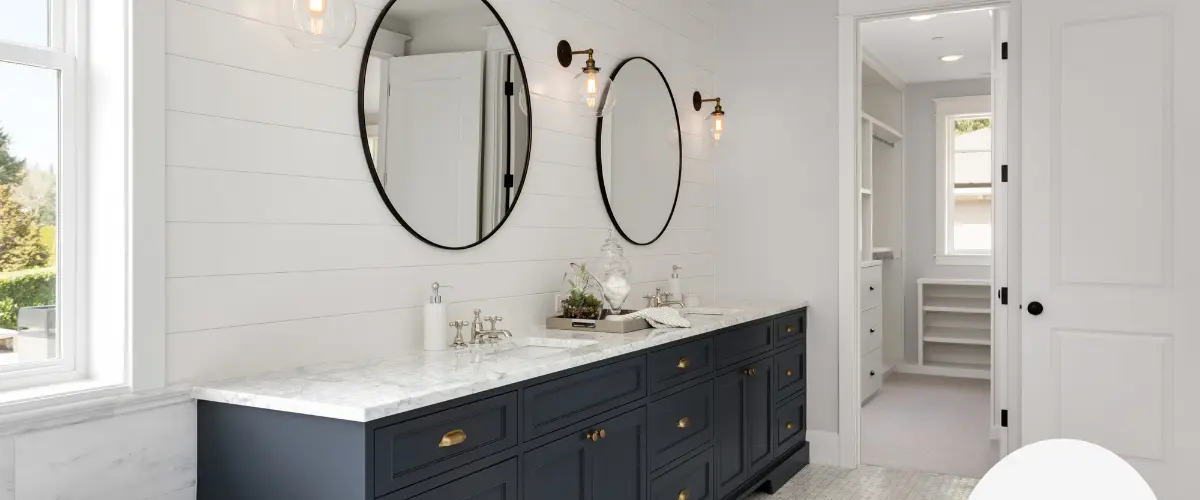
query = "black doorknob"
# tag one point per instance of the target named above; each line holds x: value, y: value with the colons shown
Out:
x: 1035, y: 308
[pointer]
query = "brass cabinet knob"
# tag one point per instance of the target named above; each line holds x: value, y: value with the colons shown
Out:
x: 684, y: 423
x: 452, y: 438
x: 683, y: 495
x: 788, y: 373
x: 595, y: 435
x: 683, y: 363
x: 789, y: 328
x: 749, y: 371
x: 789, y: 425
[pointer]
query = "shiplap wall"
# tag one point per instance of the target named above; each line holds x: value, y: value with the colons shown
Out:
x: 279, y: 250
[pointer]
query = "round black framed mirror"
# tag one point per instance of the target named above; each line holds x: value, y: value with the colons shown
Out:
x: 445, y: 117
x: 639, y: 152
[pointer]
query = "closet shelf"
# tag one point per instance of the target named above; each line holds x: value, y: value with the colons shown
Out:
x: 958, y: 305
x: 965, y: 336
x: 883, y: 130
x: 955, y: 327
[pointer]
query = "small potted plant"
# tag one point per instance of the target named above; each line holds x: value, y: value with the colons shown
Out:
x: 580, y: 303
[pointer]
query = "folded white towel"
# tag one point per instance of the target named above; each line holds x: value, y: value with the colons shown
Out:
x: 658, y: 317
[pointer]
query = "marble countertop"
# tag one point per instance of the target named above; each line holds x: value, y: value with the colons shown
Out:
x: 367, y: 390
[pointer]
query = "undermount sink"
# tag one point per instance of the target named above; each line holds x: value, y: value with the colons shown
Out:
x: 709, y: 311
x: 539, y: 347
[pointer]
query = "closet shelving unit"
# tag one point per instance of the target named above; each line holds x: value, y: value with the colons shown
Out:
x: 955, y: 327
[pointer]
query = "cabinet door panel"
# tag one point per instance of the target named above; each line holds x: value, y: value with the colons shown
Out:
x: 558, y: 470
x: 759, y: 418
x: 790, y: 366
x: 729, y: 440
x: 692, y: 480
x: 498, y: 482
x: 619, y: 468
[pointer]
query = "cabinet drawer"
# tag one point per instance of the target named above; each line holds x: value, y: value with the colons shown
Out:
x: 676, y: 365
x: 872, y: 373
x: 871, y: 287
x: 691, y: 480
x: 790, y: 328
x: 790, y: 366
x: 791, y: 423
x: 742, y: 343
x: 498, y: 482
x: 581, y: 466
x: 421, y: 448
x: 561, y: 402
x: 680, y: 423
x: 870, y: 325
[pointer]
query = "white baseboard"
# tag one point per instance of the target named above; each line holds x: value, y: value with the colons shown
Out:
x: 825, y: 446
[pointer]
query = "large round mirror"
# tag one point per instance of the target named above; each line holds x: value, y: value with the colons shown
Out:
x: 639, y: 155
x: 444, y: 115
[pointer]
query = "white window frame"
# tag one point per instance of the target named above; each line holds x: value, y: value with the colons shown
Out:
x: 111, y: 241
x: 64, y: 54
x: 948, y: 110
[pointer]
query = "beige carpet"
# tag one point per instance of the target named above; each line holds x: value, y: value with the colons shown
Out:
x: 930, y: 424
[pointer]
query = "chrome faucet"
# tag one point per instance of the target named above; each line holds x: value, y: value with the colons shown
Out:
x: 661, y: 299
x: 489, y: 336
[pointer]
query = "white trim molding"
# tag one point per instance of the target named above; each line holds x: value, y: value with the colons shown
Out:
x: 823, y: 448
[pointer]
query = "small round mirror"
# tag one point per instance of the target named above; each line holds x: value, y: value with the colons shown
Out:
x: 639, y: 152
x: 445, y: 118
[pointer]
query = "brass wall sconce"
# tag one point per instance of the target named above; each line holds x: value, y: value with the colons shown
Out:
x: 594, y: 98
x: 716, y: 125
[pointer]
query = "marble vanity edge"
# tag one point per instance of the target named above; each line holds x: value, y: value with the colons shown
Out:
x: 449, y: 391
x: 86, y: 410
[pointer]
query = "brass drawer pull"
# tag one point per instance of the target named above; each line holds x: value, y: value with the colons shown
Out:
x: 452, y: 438
x: 789, y: 328
x: 684, y: 423
x: 749, y: 371
x: 596, y: 435
x: 789, y: 425
x: 788, y: 373
x: 683, y: 363
x: 683, y: 495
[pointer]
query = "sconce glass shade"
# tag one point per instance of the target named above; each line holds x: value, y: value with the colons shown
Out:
x: 594, y: 98
x: 716, y: 127
x: 317, y: 24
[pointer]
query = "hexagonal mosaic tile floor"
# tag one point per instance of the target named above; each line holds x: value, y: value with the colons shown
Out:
x: 817, y: 482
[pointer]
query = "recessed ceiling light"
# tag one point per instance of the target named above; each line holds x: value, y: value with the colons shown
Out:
x: 951, y: 58
x: 925, y: 17
x: 939, y: 38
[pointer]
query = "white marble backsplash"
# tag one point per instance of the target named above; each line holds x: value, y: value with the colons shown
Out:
x: 362, y: 391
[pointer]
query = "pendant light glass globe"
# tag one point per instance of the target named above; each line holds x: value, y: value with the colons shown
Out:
x: 594, y: 98
x: 716, y: 127
x: 317, y: 24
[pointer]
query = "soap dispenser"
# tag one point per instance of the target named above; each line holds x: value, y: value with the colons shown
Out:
x: 674, y: 285
x: 435, y: 321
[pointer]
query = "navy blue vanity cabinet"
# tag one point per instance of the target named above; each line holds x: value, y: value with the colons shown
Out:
x: 711, y: 417
x: 603, y: 461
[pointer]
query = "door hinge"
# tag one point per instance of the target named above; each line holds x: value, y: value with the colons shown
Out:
x: 508, y: 180
x: 1003, y: 173
x: 508, y: 88
x: 1004, y: 51
x: 1003, y: 295
x: 1003, y: 418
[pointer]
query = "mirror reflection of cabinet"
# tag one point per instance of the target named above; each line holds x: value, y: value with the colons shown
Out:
x: 445, y: 118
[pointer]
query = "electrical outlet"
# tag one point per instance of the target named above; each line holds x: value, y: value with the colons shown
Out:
x: 558, y: 299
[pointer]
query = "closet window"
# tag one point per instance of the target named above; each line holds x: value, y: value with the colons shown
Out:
x: 965, y: 180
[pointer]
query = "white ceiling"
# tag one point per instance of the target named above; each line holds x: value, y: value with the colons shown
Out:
x: 407, y: 9
x: 909, y: 50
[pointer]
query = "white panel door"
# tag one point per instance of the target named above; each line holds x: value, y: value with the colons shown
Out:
x: 434, y: 144
x: 1109, y: 217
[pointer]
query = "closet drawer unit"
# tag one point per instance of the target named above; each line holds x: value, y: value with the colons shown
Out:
x: 743, y: 343
x: 676, y: 365
x: 870, y: 325
x: 871, y: 287
x: 552, y: 405
x: 691, y: 480
x: 790, y: 328
x: 418, y: 449
x: 789, y: 371
x: 872, y: 373
x: 791, y: 423
x: 679, y: 424
x: 498, y: 482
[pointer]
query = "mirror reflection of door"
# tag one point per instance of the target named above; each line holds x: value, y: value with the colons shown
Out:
x: 445, y: 117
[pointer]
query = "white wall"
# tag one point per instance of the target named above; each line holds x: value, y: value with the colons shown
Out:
x: 777, y: 171
x: 920, y: 188
x: 279, y: 250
